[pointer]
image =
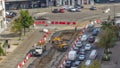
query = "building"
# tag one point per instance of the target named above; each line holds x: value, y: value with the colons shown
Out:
x: 18, y: 4
x: 25, y: 4
x: 3, y: 24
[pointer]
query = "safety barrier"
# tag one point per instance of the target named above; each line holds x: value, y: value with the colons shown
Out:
x: 20, y: 65
x: 44, y: 39
x: 63, y: 63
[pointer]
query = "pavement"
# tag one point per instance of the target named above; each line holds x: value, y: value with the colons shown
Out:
x: 19, y: 53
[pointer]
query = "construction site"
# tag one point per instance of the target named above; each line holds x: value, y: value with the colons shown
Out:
x: 59, y: 44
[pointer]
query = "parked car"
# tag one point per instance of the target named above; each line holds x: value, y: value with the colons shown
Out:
x: 88, y: 62
x: 88, y: 46
x: 41, y: 18
x: 68, y: 64
x: 67, y: 7
x: 79, y: 44
x: 79, y: 6
x: 93, y: 8
x: 72, y: 10
x: 78, y: 10
x: 55, y: 11
x: 10, y: 14
x: 76, y: 64
x: 91, y: 39
x: 81, y: 57
x: 84, y: 37
x: 61, y: 10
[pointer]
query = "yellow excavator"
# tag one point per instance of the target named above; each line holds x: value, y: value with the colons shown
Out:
x: 59, y: 44
x: 56, y: 40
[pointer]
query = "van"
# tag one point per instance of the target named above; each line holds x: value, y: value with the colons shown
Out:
x: 72, y: 55
x: 93, y: 54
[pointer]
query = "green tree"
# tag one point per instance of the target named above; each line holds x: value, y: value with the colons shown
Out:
x: 17, y: 26
x: 26, y: 19
x: 1, y: 51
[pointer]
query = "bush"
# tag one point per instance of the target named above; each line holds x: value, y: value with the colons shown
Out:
x: 106, y: 57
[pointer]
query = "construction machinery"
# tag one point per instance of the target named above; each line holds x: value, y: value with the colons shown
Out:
x: 39, y: 49
x: 59, y: 44
x: 57, y: 40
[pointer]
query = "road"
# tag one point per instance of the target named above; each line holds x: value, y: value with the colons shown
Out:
x: 19, y: 54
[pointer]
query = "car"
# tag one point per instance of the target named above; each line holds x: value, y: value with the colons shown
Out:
x: 76, y: 64
x: 55, y: 11
x: 88, y: 46
x: 68, y: 64
x: 72, y: 10
x: 79, y: 44
x: 81, y: 57
x: 91, y: 39
x: 93, y: 8
x: 88, y: 62
x: 84, y: 37
x: 79, y: 6
x: 41, y: 18
x: 61, y: 10
x: 67, y: 7
x: 96, y: 31
x: 82, y: 51
x: 76, y: 49
x: 78, y: 10
x: 10, y: 14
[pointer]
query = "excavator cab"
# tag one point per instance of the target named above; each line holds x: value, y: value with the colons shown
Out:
x: 56, y: 40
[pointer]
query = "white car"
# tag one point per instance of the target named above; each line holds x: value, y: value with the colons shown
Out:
x: 81, y: 57
x: 88, y: 46
x: 79, y: 44
x: 88, y: 62
x: 84, y: 37
x: 73, y: 9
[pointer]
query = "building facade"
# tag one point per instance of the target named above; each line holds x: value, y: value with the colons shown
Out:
x: 3, y: 24
x: 18, y: 4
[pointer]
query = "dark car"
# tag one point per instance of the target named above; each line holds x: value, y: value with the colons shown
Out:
x: 96, y: 31
x: 41, y: 18
x: 93, y: 8
x: 11, y: 14
x: 76, y: 64
x: 68, y: 64
x: 76, y: 49
x: 91, y: 39
x: 78, y: 6
x: 55, y: 11
x: 82, y: 51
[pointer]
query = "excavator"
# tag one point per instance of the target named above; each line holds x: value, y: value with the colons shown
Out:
x: 59, y: 44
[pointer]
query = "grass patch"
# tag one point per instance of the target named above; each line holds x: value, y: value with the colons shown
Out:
x: 15, y: 44
x: 1, y: 59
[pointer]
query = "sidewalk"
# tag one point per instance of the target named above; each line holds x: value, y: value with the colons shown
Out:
x: 20, y: 48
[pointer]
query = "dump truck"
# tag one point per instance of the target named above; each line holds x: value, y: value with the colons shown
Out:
x: 62, y: 47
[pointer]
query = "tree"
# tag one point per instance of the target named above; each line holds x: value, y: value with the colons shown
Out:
x: 1, y: 51
x: 26, y: 19
x: 17, y: 26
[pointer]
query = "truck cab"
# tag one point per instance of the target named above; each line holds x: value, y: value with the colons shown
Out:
x: 38, y: 51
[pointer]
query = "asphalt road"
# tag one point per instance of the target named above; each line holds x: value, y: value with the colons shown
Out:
x: 19, y: 54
